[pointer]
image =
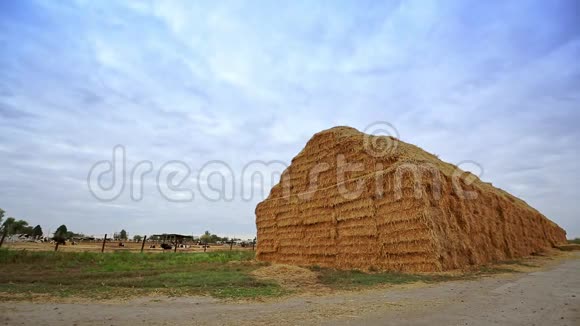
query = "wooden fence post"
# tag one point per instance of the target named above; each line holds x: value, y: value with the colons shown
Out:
x: 103, y: 247
x: 143, y: 244
x: 3, y: 236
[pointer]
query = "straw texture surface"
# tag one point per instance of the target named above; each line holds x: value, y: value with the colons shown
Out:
x: 340, y: 205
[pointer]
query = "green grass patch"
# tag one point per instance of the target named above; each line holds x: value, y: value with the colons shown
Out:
x: 516, y: 262
x: 118, y: 260
x: 356, y: 279
x: 489, y: 270
x: 221, y: 274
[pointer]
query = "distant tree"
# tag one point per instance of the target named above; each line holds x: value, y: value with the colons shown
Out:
x: 37, y: 232
x: 26, y: 230
x: 60, y: 235
x: 13, y: 226
x: 8, y: 225
x: 71, y: 234
x: 123, y: 235
x: 206, y: 237
x: 2, y: 212
x: 21, y: 227
x: 137, y: 238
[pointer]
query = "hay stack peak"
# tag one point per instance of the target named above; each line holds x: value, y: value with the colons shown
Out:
x: 352, y: 200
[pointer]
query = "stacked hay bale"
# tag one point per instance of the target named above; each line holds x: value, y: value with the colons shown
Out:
x: 341, y: 205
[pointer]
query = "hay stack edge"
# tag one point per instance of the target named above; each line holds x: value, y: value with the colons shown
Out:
x: 402, y: 210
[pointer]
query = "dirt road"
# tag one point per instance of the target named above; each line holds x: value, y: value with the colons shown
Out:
x: 547, y: 297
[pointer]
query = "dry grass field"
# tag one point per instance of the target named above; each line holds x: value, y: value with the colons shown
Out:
x: 112, y: 246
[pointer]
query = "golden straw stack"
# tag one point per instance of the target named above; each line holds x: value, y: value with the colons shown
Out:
x: 339, y: 205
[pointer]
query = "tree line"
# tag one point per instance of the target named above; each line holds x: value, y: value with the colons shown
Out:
x: 207, y: 237
x: 12, y: 226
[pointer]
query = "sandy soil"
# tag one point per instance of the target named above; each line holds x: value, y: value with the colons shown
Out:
x: 547, y: 297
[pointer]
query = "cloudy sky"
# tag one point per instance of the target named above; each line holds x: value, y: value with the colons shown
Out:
x: 497, y: 83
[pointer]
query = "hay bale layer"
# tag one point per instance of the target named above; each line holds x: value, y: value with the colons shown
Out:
x: 341, y: 205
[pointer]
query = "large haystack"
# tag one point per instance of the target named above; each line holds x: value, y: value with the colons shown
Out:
x: 351, y: 200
